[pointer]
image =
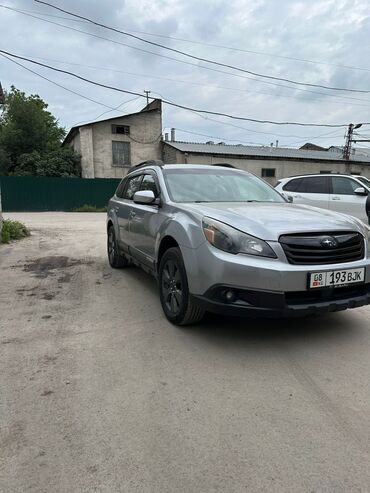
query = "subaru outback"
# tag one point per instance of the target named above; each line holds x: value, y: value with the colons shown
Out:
x: 222, y: 240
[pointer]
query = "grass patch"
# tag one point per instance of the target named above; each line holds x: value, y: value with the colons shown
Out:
x: 13, y: 230
x: 89, y: 208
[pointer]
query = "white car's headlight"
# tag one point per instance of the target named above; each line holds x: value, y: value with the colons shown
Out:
x: 232, y: 240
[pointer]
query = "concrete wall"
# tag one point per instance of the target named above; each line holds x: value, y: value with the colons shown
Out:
x: 94, y: 143
x: 283, y: 168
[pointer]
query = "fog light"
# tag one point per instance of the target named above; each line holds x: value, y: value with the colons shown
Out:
x: 230, y: 296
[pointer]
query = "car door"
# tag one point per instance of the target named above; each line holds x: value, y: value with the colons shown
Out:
x: 309, y: 190
x: 144, y: 223
x: 344, y: 199
x: 123, y: 209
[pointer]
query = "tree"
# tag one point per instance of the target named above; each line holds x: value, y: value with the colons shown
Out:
x: 30, y: 139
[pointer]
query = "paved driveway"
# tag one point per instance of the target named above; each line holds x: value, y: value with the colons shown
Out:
x: 98, y: 392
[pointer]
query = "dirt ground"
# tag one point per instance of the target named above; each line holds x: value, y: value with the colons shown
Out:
x: 99, y: 393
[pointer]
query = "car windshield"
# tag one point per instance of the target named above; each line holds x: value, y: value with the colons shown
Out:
x: 364, y: 180
x: 217, y: 185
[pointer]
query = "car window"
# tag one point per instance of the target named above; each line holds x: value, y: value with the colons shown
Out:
x: 149, y: 183
x: 344, y: 186
x: 120, y: 188
x: 133, y: 185
x: 316, y: 184
x: 296, y: 185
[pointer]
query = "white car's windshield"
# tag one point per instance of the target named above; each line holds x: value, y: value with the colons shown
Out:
x: 217, y: 185
x: 364, y: 180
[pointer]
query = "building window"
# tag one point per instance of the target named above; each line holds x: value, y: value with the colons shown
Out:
x: 121, y: 129
x: 268, y: 172
x: 121, y: 155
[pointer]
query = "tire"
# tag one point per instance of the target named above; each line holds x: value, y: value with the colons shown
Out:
x: 116, y: 259
x: 174, y: 290
x: 368, y: 207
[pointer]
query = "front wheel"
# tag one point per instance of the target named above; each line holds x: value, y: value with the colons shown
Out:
x: 116, y: 259
x: 174, y: 290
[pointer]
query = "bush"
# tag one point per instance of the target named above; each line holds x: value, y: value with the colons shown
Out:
x: 89, y: 208
x: 13, y: 230
x: 64, y: 162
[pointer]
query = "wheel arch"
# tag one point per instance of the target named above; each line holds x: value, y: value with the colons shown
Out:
x: 109, y: 224
x: 166, y: 242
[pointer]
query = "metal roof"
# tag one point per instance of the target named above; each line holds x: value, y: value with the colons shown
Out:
x: 264, y: 152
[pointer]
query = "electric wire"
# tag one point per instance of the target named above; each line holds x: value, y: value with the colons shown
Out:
x: 201, y: 59
x: 177, y: 105
x: 269, y: 82
x: 212, y: 45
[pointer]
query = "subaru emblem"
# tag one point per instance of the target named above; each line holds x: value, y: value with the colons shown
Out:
x: 329, y: 242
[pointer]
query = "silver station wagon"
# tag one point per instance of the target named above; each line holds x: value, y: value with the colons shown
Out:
x: 222, y: 240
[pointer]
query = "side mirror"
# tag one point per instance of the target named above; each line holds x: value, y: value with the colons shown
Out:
x: 361, y: 191
x: 144, y: 197
x: 289, y: 198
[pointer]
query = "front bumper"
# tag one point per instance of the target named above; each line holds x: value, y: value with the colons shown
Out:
x: 267, y: 287
x: 282, y: 304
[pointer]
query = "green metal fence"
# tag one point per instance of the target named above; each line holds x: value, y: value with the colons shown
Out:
x: 36, y: 194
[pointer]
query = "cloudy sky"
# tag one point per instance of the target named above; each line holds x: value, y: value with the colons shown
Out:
x: 322, y: 42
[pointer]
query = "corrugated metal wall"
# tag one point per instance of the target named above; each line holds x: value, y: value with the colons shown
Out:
x: 34, y: 194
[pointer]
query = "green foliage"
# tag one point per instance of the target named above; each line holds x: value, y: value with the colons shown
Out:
x: 13, y: 230
x: 5, y: 162
x: 30, y: 139
x: 61, y: 162
x: 89, y: 208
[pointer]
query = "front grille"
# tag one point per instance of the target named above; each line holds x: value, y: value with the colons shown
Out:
x: 307, y: 248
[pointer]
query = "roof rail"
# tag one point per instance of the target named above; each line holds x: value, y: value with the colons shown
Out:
x: 224, y: 165
x: 150, y: 162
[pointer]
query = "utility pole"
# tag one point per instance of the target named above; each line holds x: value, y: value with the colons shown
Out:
x: 348, y: 145
x: 147, y: 96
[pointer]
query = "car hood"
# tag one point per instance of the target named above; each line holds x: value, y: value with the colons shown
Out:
x: 270, y: 220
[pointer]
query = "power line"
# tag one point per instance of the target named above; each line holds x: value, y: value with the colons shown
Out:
x: 57, y: 84
x: 112, y: 69
x: 172, y: 103
x: 181, y: 130
x: 177, y: 60
x: 124, y: 103
x: 138, y: 97
x: 212, y: 45
x: 201, y: 59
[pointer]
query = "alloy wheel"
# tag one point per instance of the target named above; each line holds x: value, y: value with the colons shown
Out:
x: 172, y: 289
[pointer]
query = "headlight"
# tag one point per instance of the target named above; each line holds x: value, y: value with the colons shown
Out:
x: 232, y: 240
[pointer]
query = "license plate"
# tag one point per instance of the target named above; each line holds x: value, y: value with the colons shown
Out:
x: 336, y: 278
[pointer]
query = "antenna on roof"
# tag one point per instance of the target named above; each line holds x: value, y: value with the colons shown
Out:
x: 147, y: 96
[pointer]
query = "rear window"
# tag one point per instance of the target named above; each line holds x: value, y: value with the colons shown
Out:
x: 310, y: 184
x: 317, y: 184
x: 296, y: 185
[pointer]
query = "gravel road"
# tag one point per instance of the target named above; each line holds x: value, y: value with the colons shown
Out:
x: 99, y: 393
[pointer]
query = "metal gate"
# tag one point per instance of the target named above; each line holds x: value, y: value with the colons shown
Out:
x: 39, y: 193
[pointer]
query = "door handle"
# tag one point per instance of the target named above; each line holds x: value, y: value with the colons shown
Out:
x: 335, y: 198
x: 132, y: 214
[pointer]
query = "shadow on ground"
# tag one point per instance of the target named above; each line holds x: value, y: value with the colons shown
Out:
x: 335, y: 327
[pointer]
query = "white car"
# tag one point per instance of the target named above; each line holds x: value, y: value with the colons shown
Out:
x: 340, y: 193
